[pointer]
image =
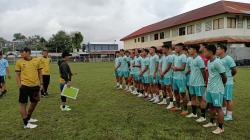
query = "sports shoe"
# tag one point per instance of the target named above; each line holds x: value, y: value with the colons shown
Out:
x: 32, y: 120
x: 140, y: 95
x: 218, y: 130
x: 191, y: 115
x: 184, y: 113
x: 209, y: 125
x: 163, y: 102
x: 30, y: 126
x: 157, y: 100
x: 201, y: 119
x: 120, y: 87
x: 152, y: 99
x: 171, y: 105
x: 226, y: 118
x: 66, y: 108
x: 175, y: 109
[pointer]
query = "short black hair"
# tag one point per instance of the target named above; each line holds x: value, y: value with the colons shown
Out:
x: 127, y: 51
x: 194, y: 46
x: 153, y: 47
x: 222, y: 47
x: 25, y: 49
x: 146, y: 50
x: 139, y: 51
x: 116, y: 52
x: 166, y: 46
x: 180, y: 44
x: 65, y: 53
x: 121, y: 50
x: 211, y: 48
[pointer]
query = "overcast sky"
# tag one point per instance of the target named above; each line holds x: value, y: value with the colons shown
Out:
x: 98, y: 20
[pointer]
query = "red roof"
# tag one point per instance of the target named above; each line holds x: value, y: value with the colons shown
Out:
x: 220, y: 7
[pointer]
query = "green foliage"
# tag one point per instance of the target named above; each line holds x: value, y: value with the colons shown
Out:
x: 64, y: 41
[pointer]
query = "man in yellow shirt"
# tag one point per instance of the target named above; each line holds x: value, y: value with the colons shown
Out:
x: 29, y: 80
x: 45, y: 61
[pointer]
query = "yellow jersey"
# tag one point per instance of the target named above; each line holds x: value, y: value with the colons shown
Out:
x: 29, y: 71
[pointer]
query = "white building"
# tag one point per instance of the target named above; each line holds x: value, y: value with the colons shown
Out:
x: 223, y: 21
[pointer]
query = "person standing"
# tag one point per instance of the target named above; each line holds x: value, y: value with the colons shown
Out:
x: 29, y: 80
x: 4, y: 69
x: 45, y: 60
x: 215, y: 88
x: 65, y: 78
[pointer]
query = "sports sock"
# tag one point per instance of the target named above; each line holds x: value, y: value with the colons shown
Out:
x: 194, y: 109
x: 203, y: 112
x: 221, y: 125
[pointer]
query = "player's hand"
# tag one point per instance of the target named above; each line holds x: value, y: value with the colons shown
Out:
x: 68, y: 85
x: 154, y: 75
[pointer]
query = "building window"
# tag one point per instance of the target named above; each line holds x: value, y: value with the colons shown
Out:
x: 218, y: 23
x: 175, y: 32
x: 190, y: 29
x: 198, y: 28
x: 182, y: 31
x: 162, y: 35
x: 135, y: 40
x: 208, y: 26
x: 248, y: 23
x: 240, y: 22
x: 142, y: 39
x: 167, y: 34
x: 231, y: 22
x: 156, y: 36
x: 139, y: 39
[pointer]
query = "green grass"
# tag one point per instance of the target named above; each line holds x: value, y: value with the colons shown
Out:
x: 101, y: 112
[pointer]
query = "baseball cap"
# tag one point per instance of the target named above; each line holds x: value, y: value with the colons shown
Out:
x: 65, y: 53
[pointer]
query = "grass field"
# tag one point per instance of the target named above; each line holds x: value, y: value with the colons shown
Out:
x: 101, y: 112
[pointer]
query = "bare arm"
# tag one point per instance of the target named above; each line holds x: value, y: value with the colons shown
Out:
x: 18, y: 79
x: 8, y: 72
x: 233, y: 71
x: 145, y: 69
x: 223, y: 77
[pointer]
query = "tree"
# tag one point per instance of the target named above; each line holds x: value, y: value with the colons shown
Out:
x: 59, y: 42
x: 77, y: 39
x: 18, y: 36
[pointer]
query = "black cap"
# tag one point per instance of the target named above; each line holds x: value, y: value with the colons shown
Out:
x: 65, y: 53
x: 25, y: 49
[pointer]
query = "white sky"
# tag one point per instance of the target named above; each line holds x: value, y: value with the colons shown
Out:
x: 98, y: 20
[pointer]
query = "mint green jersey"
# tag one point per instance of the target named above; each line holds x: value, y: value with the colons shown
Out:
x: 153, y: 61
x: 138, y: 60
x: 228, y: 63
x: 196, y: 77
x: 132, y: 62
x: 215, y: 83
x: 144, y: 63
x: 117, y: 61
x: 124, y: 60
x: 167, y: 60
x: 178, y: 61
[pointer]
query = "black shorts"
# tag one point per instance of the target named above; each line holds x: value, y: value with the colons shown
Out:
x: 46, y: 79
x: 2, y: 79
x: 26, y: 92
